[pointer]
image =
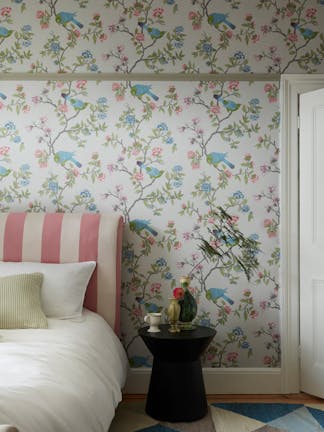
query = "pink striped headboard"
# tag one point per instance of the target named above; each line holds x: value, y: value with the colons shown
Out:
x: 71, y: 237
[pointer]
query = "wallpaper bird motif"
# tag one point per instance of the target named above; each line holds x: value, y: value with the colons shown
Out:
x: 163, y: 154
x: 162, y: 36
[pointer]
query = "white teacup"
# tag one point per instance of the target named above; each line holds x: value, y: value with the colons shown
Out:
x: 153, y: 319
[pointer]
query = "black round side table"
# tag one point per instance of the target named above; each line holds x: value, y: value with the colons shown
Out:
x: 177, y: 391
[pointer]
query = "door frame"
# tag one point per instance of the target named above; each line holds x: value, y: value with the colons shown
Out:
x: 290, y: 88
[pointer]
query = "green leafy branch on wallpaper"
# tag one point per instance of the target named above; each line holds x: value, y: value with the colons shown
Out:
x: 142, y: 285
x: 148, y: 170
x: 206, y: 49
x: 265, y: 276
x: 302, y: 31
x: 217, y: 349
x: 273, y: 358
x: 222, y: 108
x: 154, y: 47
x: 16, y: 184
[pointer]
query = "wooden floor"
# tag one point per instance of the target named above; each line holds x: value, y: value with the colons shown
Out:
x: 301, y: 398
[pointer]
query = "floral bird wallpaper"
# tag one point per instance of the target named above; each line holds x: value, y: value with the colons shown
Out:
x: 164, y: 154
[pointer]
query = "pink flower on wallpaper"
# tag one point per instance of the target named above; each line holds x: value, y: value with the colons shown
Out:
x: 177, y: 245
x: 255, y: 38
x: 186, y: 235
x: 264, y: 169
x: 40, y: 14
x: 229, y: 34
x: 156, y: 151
x: 138, y: 176
x: 110, y: 168
x: 311, y: 12
x: 265, y: 29
x: 81, y: 84
x: 115, y: 86
x: 232, y: 356
x: 254, y: 314
x: 63, y: 108
x: 5, y: 11
x: 155, y: 287
x: 215, y: 109
x: 233, y: 85
x: 4, y: 150
x: 38, y: 153
x: 1, y: 105
x: 293, y: 37
x: 263, y: 304
x: 140, y: 37
x: 76, y: 33
x: 254, y: 178
x: 267, y: 223
x: 227, y: 309
x: 158, y: 12
x: 267, y: 360
x: 151, y: 240
x: 138, y: 312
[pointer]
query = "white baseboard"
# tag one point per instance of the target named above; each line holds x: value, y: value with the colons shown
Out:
x: 219, y: 381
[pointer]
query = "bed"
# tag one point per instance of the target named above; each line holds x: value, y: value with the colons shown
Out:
x: 64, y: 367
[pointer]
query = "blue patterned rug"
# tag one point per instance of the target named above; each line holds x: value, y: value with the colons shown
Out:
x: 227, y: 417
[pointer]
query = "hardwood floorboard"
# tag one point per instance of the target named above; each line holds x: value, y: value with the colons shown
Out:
x: 274, y: 398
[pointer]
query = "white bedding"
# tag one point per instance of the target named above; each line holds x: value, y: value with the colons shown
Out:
x: 66, y: 378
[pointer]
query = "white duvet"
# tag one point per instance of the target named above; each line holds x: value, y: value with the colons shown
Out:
x: 66, y: 378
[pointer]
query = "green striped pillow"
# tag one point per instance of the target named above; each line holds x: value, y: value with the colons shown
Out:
x: 20, y: 301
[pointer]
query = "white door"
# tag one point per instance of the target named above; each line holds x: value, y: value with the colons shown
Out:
x: 311, y: 187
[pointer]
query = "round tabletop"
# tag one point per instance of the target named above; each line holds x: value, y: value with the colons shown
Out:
x: 198, y: 332
x: 186, y: 345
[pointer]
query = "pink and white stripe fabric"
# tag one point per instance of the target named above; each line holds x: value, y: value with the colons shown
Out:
x: 71, y: 237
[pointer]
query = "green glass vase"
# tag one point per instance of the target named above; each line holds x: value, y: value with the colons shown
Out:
x: 188, y: 305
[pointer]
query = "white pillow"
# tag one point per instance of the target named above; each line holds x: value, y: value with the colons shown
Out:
x: 64, y: 285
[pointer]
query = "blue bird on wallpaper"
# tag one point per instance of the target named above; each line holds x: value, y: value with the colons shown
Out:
x: 216, y: 158
x: 4, y: 32
x: 140, y: 90
x: 3, y: 96
x: 67, y: 17
x: 4, y: 171
x: 215, y: 293
x: 154, y: 32
x: 139, y: 225
x: 228, y: 104
x: 64, y: 156
x: 307, y: 33
x: 76, y: 103
x: 153, y: 172
x: 216, y: 19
